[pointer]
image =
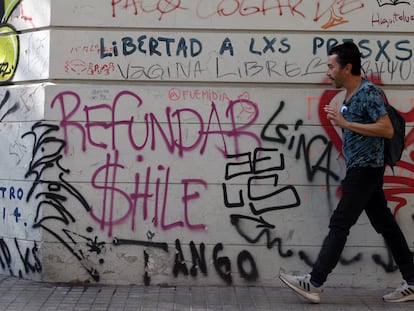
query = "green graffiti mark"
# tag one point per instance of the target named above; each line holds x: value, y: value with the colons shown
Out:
x: 9, y: 42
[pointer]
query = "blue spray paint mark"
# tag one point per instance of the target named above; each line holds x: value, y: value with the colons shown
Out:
x: 16, y: 214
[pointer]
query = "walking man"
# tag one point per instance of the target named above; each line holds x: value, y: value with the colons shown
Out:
x: 365, y: 123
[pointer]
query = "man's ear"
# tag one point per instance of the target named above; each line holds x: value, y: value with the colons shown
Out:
x: 348, y: 67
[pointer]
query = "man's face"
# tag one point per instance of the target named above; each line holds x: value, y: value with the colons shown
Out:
x: 335, y: 72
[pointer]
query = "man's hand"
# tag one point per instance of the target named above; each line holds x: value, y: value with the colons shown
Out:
x: 335, y: 116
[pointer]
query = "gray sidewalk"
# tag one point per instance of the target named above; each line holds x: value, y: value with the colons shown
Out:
x: 17, y: 295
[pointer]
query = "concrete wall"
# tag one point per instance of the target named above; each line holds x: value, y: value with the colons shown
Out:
x: 184, y: 142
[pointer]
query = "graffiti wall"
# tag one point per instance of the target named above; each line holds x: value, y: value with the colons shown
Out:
x: 140, y: 149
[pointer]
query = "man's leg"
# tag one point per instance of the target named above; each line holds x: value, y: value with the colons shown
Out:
x: 356, y: 192
x: 358, y: 186
x: 384, y: 223
x: 357, y: 189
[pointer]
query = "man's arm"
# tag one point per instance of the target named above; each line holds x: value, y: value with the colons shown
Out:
x: 381, y: 128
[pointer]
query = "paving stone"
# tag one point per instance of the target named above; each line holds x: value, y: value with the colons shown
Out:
x: 23, y: 295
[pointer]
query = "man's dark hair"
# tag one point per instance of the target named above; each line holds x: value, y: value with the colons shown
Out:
x: 348, y: 53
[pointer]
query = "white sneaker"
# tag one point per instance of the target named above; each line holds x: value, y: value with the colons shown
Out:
x: 302, y: 286
x: 403, y: 293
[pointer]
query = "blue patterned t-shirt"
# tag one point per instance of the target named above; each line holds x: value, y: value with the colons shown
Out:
x: 366, y: 105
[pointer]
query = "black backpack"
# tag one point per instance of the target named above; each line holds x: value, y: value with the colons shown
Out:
x: 394, y: 147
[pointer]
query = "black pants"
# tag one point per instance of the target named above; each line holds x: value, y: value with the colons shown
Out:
x: 362, y: 191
